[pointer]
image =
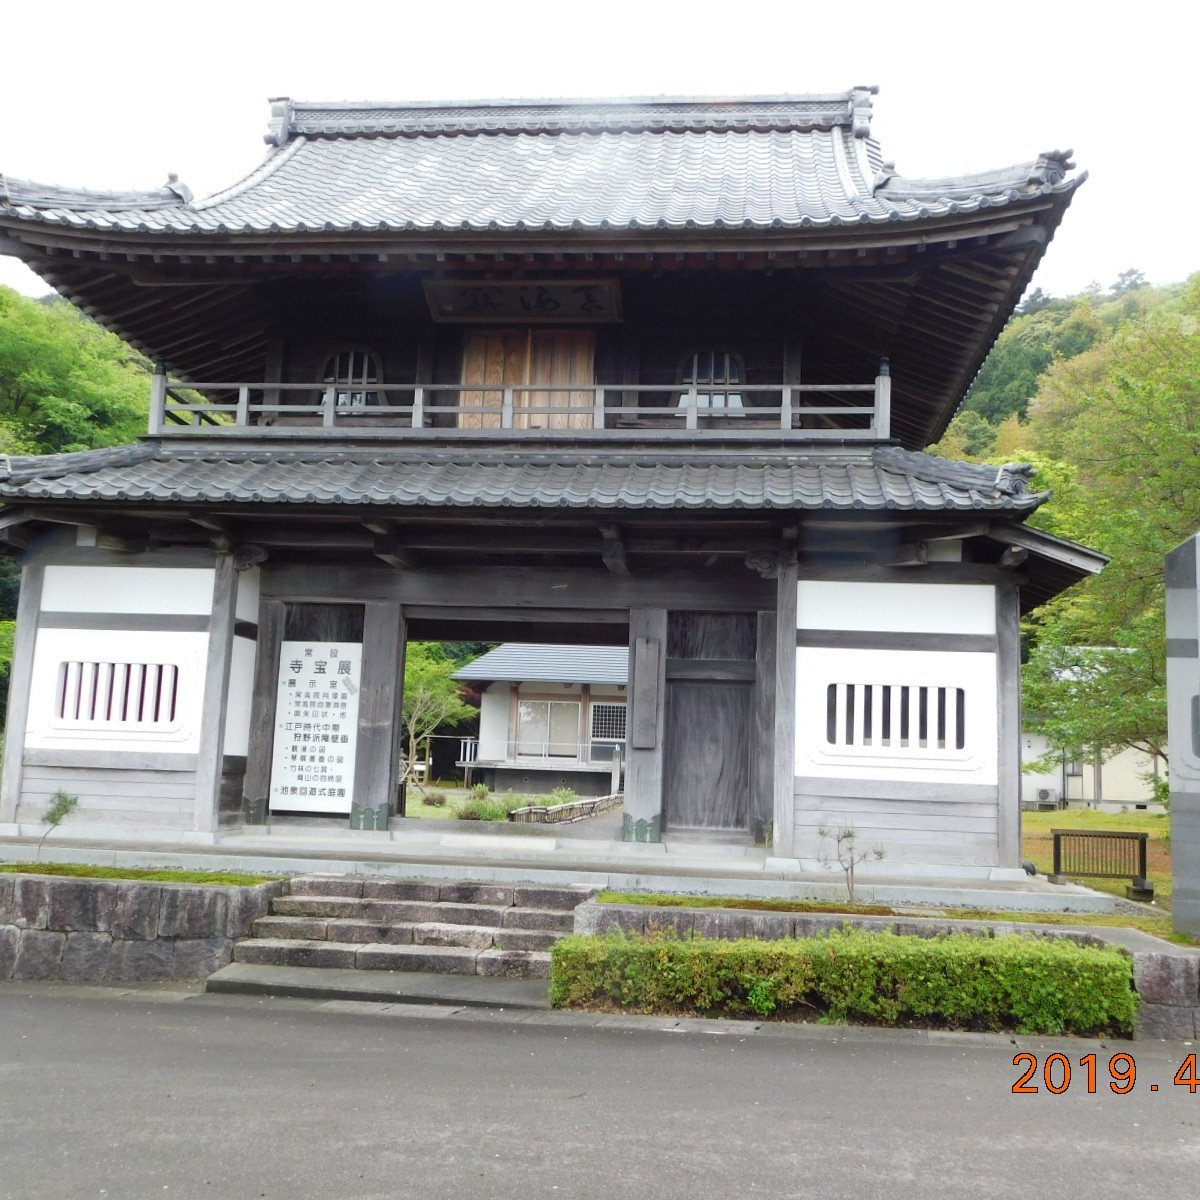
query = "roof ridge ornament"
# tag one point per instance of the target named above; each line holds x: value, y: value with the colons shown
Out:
x: 1051, y: 167
x: 180, y: 189
x: 860, y: 108
x: 279, y: 129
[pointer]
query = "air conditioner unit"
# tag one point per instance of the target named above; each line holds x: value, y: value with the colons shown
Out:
x: 1047, y: 797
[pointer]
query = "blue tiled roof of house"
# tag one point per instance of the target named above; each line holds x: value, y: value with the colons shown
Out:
x: 518, y: 662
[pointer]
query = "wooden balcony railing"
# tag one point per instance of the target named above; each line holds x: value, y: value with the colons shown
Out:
x: 803, y: 410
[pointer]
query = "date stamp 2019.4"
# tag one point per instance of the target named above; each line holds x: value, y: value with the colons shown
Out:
x: 1056, y: 1074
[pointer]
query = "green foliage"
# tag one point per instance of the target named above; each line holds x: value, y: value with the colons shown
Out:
x: 151, y: 875
x: 65, y: 383
x: 489, y: 807
x: 1032, y: 985
x: 436, y: 799
x: 432, y: 698
x: 61, y: 805
x: 561, y: 795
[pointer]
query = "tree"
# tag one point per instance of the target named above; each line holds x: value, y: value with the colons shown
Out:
x: 431, y: 698
x: 1126, y: 415
x: 1128, y: 281
x: 65, y: 383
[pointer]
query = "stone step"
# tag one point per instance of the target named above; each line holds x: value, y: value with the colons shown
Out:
x: 373, y: 956
x: 396, y: 912
x: 564, y: 897
x: 526, y: 939
x: 402, y: 987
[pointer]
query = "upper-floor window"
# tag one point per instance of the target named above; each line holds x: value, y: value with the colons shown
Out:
x: 716, y: 375
x: 352, y: 372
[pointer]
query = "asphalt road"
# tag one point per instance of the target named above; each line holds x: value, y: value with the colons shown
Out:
x: 233, y: 1097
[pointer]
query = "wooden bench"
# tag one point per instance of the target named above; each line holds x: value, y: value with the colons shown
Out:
x: 1100, y: 854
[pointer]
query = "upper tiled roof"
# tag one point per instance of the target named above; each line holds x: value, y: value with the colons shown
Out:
x: 884, y: 479
x: 668, y: 164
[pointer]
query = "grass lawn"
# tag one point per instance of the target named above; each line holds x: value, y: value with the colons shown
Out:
x: 81, y: 871
x: 1038, y: 844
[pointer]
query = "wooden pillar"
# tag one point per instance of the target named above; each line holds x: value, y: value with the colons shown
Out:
x: 647, y: 692
x: 380, y: 704
x: 785, y: 708
x: 20, y: 678
x: 762, y: 753
x: 210, y: 762
x: 257, y: 785
x: 1008, y: 725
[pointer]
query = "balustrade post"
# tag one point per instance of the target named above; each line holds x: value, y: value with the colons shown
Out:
x: 692, y: 415
x: 418, y: 408
x: 785, y: 410
x: 506, y: 408
x: 883, y: 400
x: 243, y: 406
x: 329, y: 407
x: 158, y: 398
x: 598, y: 409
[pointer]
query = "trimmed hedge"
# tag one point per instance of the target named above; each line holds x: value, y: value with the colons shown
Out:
x: 1031, y: 985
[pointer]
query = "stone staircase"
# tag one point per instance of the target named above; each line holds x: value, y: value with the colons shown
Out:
x: 407, y: 925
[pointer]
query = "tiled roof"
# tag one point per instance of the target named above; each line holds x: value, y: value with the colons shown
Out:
x: 885, y: 478
x: 775, y: 162
x: 519, y: 662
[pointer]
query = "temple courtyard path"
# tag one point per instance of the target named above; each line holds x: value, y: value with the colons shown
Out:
x: 174, y: 1094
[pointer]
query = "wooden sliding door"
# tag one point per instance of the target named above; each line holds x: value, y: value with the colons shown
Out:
x: 559, y: 359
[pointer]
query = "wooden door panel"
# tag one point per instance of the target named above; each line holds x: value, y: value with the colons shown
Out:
x: 517, y: 358
x: 706, y: 751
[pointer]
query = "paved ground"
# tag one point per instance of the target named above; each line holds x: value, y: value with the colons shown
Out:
x: 171, y: 1094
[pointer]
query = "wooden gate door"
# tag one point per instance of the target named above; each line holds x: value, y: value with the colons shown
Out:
x: 521, y: 358
x: 709, y: 721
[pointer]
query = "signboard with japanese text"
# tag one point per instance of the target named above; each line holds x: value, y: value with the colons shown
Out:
x: 316, y: 726
x: 570, y: 301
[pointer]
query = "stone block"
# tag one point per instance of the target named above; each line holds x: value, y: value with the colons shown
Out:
x: 85, y: 959
x: 723, y: 923
x: 39, y: 954
x: 135, y: 915
x: 565, y: 899
x: 10, y: 939
x: 8, y: 884
x: 1171, y: 1021
x: 525, y: 939
x: 245, y: 905
x: 316, y: 906
x: 400, y: 889
x: 309, y: 929
x: 31, y: 901
x: 444, y: 960
x: 361, y: 932
x: 476, y: 893
x: 81, y: 905
x: 473, y: 937
x: 192, y: 912
x: 681, y: 921
x: 140, y: 961
x: 285, y: 953
x: 771, y: 926
x: 514, y: 964
x: 325, y: 885
x: 1167, y: 978
x: 520, y: 918
x: 198, y: 958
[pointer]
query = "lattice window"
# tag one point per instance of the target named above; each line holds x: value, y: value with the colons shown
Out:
x: 352, y: 372
x: 895, y: 717
x: 608, y: 721
x: 120, y: 694
x: 716, y: 372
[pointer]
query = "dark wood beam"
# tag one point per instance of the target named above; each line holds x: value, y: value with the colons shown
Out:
x: 613, y: 550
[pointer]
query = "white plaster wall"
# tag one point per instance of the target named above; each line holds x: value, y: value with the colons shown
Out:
x: 606, y: 691
x: 975, y: 673
x: 494, y: 707
x: 187, y: 651
x: 897, y: 607
x: 248, y: 586
x: 128, y: 590
x: 241, y: 695
x: 1121, y: 776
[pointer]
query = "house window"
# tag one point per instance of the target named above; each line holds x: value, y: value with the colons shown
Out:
x: 548, y: 728
x: 608, y: 721
x: 863, y: 716
x: 714, y: 373
x: 352, y: 372
x: 111, y: 693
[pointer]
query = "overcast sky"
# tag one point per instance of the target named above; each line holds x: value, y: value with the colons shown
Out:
x: 118, y: 94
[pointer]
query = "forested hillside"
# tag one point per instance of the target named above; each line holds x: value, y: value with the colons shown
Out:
x: 1101, y: 392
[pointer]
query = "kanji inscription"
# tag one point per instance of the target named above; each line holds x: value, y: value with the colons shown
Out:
x: 316, y: 726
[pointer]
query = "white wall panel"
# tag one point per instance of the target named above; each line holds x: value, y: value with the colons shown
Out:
x: 494, y: 709
x: 187, y: 651
x: 241, y: 694
x: 248, y: 586
x: 128, y: 590
x: 897, y: 607
x: 870, y: 758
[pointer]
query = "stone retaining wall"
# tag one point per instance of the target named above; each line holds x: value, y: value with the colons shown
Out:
x: 121, y: 930
x: 1165, y: 976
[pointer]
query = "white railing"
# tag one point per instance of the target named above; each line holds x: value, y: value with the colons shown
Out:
x: 805, y: 410
x: 531, y: 751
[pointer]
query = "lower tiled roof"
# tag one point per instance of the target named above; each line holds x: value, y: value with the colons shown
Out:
x: 160, y: 473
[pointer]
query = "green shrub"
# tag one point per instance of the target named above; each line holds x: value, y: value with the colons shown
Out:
x: 480, y: 791
x: 488, y: 808
x: 436, y: 800
x: 1032, y: 985
x: 561, y: 795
